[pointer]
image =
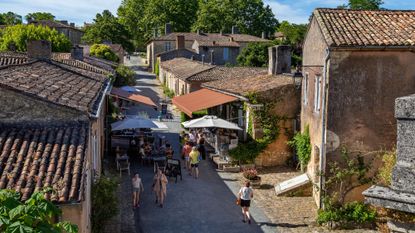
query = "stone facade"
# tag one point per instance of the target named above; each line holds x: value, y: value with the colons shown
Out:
x: 348, y: 100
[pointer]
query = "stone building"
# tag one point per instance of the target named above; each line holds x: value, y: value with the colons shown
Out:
x: 355, y: 64
x: 225, y: 92
x: 73, y: 33
x: 226, y: 47
x: 52, y: 131
x: 183, y: 76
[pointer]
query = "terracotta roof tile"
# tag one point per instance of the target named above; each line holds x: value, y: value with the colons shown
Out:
x: 184, y: 68
x: 248, y: 84
x: 221, y: 72
x: 192, y: 36
x: 56, y: 83
x: 12, y: 58
x: 36, y: 158
x: 218, y: 44
x: 342, y: 27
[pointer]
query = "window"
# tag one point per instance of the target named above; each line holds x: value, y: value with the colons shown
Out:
x: 225, y: 54
x: 317, y: 94
x: 167, y: 46
x: 305, y: 89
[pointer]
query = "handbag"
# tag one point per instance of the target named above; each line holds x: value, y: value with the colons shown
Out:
x: 238, y: 201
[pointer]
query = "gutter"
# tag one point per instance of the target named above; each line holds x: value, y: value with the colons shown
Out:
x: 101, y: 102
x: 322, y: 155
x: 373, y: 48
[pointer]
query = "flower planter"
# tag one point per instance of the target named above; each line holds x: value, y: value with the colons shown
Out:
x: 231, y: 168
x: 256, y: 182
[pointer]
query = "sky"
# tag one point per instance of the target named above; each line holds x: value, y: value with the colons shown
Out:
x: 80, y: 11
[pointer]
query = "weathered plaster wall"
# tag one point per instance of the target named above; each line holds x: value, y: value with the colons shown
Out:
x: 287, y: 106
x: 17, y: 108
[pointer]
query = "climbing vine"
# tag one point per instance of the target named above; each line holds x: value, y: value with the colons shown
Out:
x: 247, y: 152
x: 301, y: 144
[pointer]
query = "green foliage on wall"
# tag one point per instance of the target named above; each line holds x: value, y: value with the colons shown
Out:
x: 385, y: 172
x: 247, y: 152
x: 301, y: 144
x: 354, y: 212
x: 103, y: 51
x: 34, y: 215
x: 104, y: 202
x: 18, y: 35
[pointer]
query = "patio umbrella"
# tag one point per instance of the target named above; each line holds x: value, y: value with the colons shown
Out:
x: 137, y: 123
x: 210, y: 122
x: 130, y: 89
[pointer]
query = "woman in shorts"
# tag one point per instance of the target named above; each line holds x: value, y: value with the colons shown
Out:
x: 246, y: 194
x: 137, y: 189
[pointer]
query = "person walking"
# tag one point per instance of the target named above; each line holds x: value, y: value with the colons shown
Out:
x: 160, y: 187
x: 138, y: 188
x: 186, y: 154
x: 194, y: 162
x: 201, y: 146
x: 246, y: 194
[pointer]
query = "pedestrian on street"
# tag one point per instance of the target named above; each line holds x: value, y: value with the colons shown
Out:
x: 160, y: 187
x: 186, y: 154
x: 246, y: 194
x: 138, y: 188
x: 194, y: 162
x: 201, y: 146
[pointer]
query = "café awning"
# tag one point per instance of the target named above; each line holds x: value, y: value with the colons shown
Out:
x: 132, y: 97
x: 201, y: 99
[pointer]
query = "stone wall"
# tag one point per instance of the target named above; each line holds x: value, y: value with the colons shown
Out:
x: 17, y: 108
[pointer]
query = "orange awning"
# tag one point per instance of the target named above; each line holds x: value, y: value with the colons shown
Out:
x: 201, y: 99
x: 132, y: 97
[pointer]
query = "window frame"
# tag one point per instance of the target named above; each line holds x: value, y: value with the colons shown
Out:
x: 317, y: 93
x: 305, y: 89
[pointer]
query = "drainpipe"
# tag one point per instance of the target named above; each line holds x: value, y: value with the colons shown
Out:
x: 323, y: 127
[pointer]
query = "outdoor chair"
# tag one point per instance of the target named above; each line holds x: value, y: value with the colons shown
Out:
x: 124, y: 165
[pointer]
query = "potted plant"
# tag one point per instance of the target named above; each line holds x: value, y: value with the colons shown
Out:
x: 252, y: 175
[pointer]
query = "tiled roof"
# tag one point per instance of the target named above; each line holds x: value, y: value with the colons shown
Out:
x: 12, y: 58
x: 347, y: 28
x: 221, y: 72
x: 36, y: 158
x: 184, y: 68
x: 96, y: 67
x: 192, y: 36
x: 55, y: 83
x: 102, y: 63
x: 218, y: 44
x: 250, y: 84
x: 53, y: 24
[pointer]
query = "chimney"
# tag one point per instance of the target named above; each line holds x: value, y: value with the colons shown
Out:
x: 235, y: 30
x: 279, y: 59
x: 212, y: 57
x: 39, y: 49
x: 264, y: 35
x: 221, y: 32
x: 154, y: 33
x: 203, y: 59
x: 64, y: 22
x: 72, y: 25
x: 180, y: 42
x: 167, y: 28
x: 271, y: 60
x: 199, y: 32
x: 77, y: 53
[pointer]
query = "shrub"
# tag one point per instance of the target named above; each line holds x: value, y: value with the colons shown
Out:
x: 355, y: 212
x: 250, y: 174
x: 247, y: 152
x: 385, y: 172
x: 34, y: 215
x: 103, y: 51
x: 301, y: 144
x: 18, y: 35
x: 104, y: 202
x: 195, y: 115
x: 124, y: 76
x: 157, y: 68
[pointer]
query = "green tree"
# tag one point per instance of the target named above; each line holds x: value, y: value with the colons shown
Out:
x: 250, y: 16
x: 18, y: 35
x: 104, y: 202
x: 35, y: 16
x: 255, y: 54
x: 10, y: 18
x: 294, y: 33
x: 181, y: 14
x: 103, y: 51
x: 130, y: 14
x: 107, y: 28
x: 363, y: 5
x: 34, y: 215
